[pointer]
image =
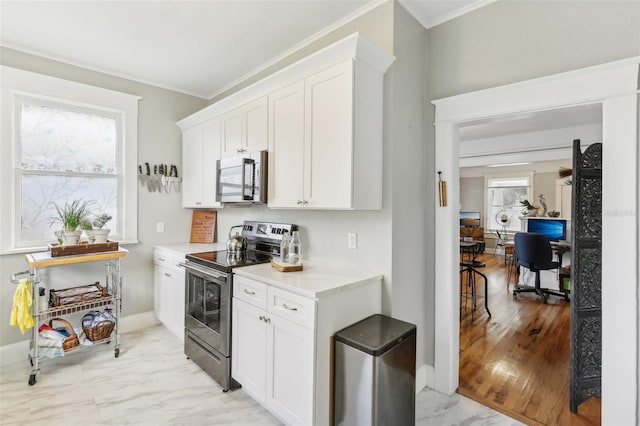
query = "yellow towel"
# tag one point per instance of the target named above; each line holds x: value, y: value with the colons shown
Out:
x: 21, y: 312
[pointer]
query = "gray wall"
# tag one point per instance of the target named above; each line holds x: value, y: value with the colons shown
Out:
x: 413, y: 250
x: 159, y: 141
x: 511, y: 41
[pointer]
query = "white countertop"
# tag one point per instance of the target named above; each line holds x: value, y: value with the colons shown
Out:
x: 316, y: 279
x: 186, y: 248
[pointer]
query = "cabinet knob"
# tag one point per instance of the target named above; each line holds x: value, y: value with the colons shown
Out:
x: 305, y: 202
x: 166, y: 274
x: 267, y: 320
x: 241, y: 150
x: 299, y: 202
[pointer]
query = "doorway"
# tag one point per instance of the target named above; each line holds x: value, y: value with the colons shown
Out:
x: 614, y: 86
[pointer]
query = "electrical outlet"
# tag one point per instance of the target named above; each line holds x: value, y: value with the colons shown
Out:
x: 352, y: 239
x: 160, y: 227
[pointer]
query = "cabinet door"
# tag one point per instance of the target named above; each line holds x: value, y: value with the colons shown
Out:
x: 200, y: 151
x: 231, y: 143
x: 192, y: 182
x: 176, y: 310
x: 210, y: 155
x: 290, y: 371
x: 256, y: 125
x: 328, y: 144
x: 161, y: 294
x: 249, y: 337
x: 286, y: 139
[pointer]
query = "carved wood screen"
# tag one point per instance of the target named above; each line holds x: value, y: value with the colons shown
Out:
x: 586, y: 274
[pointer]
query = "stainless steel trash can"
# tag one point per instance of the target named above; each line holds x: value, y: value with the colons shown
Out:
x: 375, y: 373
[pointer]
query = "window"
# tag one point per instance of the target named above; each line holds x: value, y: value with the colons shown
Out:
x: 68, y: 141
x: 504, y: 195
x: 66, y: 153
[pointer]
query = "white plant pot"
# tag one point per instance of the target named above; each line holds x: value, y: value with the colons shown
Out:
x: 70, y: 237
x: 98, y: 235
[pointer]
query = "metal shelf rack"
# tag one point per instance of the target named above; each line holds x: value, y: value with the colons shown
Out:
x: 37, y: 261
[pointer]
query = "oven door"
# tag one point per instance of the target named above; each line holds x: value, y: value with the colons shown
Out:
x: 208, y: 306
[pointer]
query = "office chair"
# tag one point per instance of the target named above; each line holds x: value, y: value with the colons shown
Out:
x: 533, y: 251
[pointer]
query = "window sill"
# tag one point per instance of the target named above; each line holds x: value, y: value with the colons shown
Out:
x: 24, y: 250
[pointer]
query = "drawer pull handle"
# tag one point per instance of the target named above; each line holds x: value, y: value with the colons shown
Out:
x: 261, y: 317
x: 250, y: 293
x: 286, y: 307
x: 161, y: 259
x: 166, y: 274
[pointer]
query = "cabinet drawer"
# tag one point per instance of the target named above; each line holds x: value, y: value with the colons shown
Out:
x: 169, y: 260
x: 293, y: 307
x: 250, y: 291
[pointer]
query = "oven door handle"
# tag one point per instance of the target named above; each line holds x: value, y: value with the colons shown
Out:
x: 205, y: 271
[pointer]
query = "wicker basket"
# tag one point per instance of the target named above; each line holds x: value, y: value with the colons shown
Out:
x: 100, y: 331
x: 79, y: 294
x: 70, y: 342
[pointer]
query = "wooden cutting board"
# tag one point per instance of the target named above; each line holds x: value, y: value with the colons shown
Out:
x: 285, y: 267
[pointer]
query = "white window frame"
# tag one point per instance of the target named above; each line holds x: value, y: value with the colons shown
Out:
x: 17, y: 84
x: 490, y: 222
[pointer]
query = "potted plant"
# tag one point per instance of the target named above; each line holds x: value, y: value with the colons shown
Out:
x: 98, y: 234
x: 71, y: 215
x: 529, y: 209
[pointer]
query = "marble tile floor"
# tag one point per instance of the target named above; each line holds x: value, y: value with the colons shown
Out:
x: 152, y: 383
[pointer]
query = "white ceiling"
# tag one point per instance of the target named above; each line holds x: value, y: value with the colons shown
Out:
x: 196, y: 47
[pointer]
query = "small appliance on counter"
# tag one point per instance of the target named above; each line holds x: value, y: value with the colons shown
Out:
x: 209, y: 281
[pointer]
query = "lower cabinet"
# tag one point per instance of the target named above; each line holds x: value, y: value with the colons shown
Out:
x: 273, y: 360
x: 168, y: 289
x: 281, y: 345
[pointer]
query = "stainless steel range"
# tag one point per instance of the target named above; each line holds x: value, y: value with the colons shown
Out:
x: 209, y: 280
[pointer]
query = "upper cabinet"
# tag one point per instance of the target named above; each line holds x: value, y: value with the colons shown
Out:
x: 321, y: 121
x: 245, y: 129
x: 200, y: 151
x: 325, y: 140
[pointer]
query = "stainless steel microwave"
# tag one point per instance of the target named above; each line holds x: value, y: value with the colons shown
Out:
x: 242, y: 179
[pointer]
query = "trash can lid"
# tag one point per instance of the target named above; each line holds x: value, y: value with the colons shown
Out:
x: 376, y: 334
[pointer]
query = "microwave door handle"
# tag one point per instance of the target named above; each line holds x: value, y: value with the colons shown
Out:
x: 247, y: 181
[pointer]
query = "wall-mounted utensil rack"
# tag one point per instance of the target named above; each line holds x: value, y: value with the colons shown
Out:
x: 160, y: 177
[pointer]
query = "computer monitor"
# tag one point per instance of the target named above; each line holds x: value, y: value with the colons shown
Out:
x: 555, y: 229
x: 471, y: 219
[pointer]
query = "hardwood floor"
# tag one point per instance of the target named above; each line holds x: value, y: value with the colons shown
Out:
x: 517, y: 361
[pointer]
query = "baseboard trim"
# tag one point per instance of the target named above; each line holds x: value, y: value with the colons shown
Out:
x: 425, y: 377
x: 18, y: 352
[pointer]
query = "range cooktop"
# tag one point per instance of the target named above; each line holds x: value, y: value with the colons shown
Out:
x: 222, y: 260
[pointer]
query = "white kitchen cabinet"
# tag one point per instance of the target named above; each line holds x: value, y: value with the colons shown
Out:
x: 245, y: 129
x: 169, y: 294
x: 282, y: 328
x: 326, y: 140
x: 200, y: 151
x: 272, y: 354
x: 286, y: 141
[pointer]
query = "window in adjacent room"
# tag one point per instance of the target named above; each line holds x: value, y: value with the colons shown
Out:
x: 504, y: 195
x: 65, y: 153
